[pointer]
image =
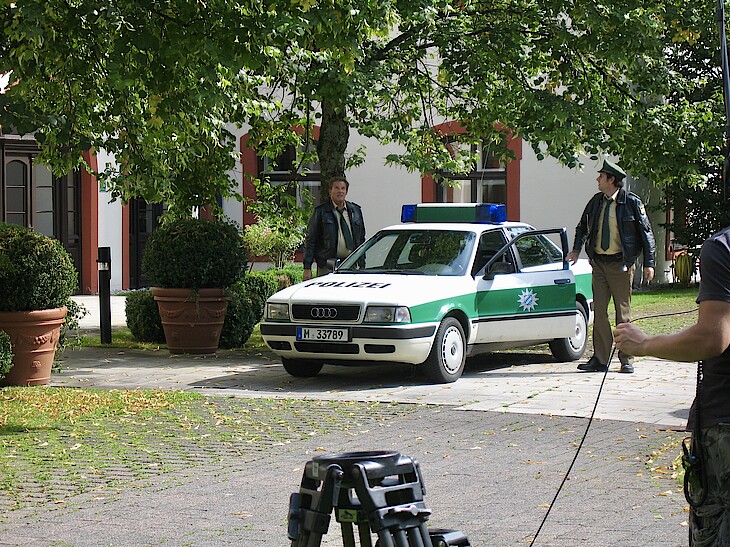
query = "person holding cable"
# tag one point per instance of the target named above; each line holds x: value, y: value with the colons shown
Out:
x: 615, y: 229
x: 707, y: 341
x: 335, y: 229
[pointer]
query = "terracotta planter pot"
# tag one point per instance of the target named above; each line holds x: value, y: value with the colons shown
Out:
x: 192, y: 320
x: 34, y: 336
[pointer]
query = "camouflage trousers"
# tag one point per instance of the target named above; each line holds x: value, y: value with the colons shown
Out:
x: 710, y: 522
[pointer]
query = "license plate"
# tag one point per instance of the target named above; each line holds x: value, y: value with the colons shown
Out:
x: 321, y: 334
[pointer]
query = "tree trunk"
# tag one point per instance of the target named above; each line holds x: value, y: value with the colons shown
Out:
x: 333, y: 136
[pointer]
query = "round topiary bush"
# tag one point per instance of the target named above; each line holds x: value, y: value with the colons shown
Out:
x: 143, y: 317
x: 194, y: 254
x: 36, y: 272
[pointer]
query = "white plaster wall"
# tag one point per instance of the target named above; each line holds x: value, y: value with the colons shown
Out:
x: 380, y: 190
x: 552, y: 195
x: 110, y: 225
x: 233, y: 208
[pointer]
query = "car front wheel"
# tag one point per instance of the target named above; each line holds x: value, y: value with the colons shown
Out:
x: 573, y: 348
x: 446, y: 361
x: 301, y: 368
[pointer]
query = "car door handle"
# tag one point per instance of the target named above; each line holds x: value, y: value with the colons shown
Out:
x: 561, y: 281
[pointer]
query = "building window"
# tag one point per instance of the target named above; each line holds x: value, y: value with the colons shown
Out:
x: 17, y: 189
x: 295, y: 169
x: 485, y: 183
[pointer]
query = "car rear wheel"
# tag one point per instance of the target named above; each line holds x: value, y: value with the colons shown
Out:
x: 446, y: 361
x: 301, y: 368
x: 573, y: 348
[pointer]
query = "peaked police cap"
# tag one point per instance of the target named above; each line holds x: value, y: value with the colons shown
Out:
x: 611, y: 168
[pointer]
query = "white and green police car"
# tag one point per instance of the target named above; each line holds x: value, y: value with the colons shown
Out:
x: 450, y: 282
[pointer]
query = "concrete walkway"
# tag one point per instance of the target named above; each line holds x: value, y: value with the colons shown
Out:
x: 659, y: 392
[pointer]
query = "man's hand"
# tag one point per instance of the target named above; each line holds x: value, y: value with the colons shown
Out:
x: 648, y: 275
x: 629, y: 338
x: 307, y: 275
x: 573, y: 256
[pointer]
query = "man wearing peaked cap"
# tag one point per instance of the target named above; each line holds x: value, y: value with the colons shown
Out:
x: 615, y: 229
x: 611, y: 168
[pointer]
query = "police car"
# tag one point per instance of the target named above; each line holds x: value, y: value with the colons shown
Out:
x: 449, y: 282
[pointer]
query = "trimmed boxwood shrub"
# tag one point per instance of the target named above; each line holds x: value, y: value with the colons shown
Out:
x: 36, y: 272
x: 6, y: 354
x: 261, y: 285
x: 241, y: 317
x: 292, y: 273
x: 143, y: 317
x: 194, y: 254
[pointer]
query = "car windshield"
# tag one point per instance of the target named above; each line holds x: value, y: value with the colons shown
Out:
x: 413, y: 252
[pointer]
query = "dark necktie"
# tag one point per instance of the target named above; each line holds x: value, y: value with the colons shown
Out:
x: 346, y: 234
x: 606, y: 230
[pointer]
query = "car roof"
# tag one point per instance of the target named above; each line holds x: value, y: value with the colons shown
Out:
x: 457, y: 226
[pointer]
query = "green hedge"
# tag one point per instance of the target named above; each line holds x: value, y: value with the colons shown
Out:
x: 6, y: 354
x: 143, y: 317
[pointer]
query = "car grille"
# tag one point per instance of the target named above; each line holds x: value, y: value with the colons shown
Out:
x: 322, y: 347
x: 324, y: 312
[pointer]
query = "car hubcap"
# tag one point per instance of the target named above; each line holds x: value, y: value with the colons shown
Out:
x: 452, y: 350
x: 581, y: 331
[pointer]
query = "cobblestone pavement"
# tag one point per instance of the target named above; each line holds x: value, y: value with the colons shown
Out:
x: 493, y: 448
x: 491, y: 475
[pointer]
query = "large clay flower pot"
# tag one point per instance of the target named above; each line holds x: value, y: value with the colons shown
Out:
x: 34, y: 336
x: 192, y: 320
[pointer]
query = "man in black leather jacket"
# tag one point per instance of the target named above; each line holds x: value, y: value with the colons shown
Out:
x: 327, y: 236
x: 615, y: 229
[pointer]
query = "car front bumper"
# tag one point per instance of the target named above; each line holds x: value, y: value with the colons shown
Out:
x: 406, y: 343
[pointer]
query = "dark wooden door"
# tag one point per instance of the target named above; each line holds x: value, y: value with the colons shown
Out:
x: 144, y: 218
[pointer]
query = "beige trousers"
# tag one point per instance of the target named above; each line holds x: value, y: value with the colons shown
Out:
x: 610, y: 280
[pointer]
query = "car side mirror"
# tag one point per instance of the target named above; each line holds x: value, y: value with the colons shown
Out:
x: 502, y: 267
x: 333, y: 263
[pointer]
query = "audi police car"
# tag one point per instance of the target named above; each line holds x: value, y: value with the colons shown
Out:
x: 449, y: 282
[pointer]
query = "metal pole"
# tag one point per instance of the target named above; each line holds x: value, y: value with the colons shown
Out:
x: 104, y: 261
x: 726, y: 94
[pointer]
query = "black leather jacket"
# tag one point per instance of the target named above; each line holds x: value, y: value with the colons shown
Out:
x: 322, y: 232
x: 633, y: 227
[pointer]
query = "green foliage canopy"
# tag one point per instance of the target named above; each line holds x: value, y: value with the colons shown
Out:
x: 155, y: 82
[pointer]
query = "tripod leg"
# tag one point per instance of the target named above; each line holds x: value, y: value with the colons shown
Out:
x: 366, y: 539
x: 414, y: 537
x: 385, y: 538
x: 401, y: 539
x: 425, y: 536
x: 348, y: 536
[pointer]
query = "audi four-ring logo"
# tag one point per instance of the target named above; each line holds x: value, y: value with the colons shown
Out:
x: 323, y: 313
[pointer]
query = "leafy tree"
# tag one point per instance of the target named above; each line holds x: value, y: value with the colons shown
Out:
x: 154, y: 83
x: 281, y: 223
x: 679, y: 140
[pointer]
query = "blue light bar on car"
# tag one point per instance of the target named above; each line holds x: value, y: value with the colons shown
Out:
x: 483, y: 213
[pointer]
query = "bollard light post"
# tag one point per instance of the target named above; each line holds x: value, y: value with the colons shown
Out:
x: 104, y: 263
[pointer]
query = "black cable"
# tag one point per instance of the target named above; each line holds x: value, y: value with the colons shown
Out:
x: 590, y: 419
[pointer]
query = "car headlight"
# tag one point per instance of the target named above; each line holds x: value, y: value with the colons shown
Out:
x: 277, y: 312
x: 387, y: 314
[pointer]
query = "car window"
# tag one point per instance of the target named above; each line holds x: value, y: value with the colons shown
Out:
x: 416, y: 252
x: 538, y: 250
x: 489, y: 243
